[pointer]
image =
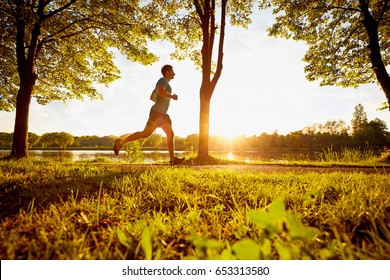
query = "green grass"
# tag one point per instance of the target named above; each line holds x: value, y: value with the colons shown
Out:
x: 56, y: 210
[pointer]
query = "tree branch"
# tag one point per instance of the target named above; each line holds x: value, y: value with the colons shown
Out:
x: 212, y: 27
x: 332, y: 7
x: 199, y: 9
x: 76, y: 32
x: 67, y: 27
x: 384, y: 9
x: 20, y: 33
x: 190, y: 17
x: 58, y: 10
x: 221, y: 44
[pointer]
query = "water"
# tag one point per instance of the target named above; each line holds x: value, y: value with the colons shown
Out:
x: 88, y: 155
x: 155, y: 156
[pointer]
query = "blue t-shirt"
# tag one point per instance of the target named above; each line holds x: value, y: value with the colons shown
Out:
x: 162, y: 103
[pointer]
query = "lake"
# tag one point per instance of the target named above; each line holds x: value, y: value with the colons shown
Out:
x: 154, y: 156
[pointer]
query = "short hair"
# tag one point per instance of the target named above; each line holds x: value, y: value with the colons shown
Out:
x: 166, y: 68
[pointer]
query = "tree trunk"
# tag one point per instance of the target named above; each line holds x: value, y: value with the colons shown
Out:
x: 26, y: 64
x: 371, y: 26
x: 20, y: 138
x: 208, y: 86
x: 204, y: 127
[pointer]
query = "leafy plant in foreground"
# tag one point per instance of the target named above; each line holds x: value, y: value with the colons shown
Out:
x: 133, y: 151
x: 279, y: 234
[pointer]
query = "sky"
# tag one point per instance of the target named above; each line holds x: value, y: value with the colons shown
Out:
x: 262, y: 89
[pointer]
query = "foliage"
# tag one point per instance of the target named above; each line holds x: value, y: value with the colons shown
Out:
x: 365, y: 133
x: 94, y: 141
x: 385, y: 156
x: 59, y: 139
x: 5, y: 139
x: 348, y: 41
x: 337, y: 40
x: 154, y: 140
x: 280, y: 235
x: 83, y: 211
x: 186, y: 25
x: 359, y: 119
x: 133, y: 151
x: 34, y: 138
x: 75, y: 45
x: 331, y: 127
x: 59, y: 50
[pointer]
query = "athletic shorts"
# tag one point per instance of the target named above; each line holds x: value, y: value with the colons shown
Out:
x: 156, y: 119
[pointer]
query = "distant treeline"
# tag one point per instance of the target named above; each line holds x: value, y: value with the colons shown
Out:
x: 335, y: 134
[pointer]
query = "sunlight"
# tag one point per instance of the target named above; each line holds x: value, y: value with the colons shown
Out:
x: 230, y: 156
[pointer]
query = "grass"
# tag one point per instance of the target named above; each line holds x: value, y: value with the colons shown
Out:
x: 57, y: 210
x: 329, y: 157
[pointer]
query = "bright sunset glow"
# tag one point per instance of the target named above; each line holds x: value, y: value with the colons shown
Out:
x: 262, y: 89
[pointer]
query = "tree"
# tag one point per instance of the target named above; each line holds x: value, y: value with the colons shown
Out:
x: 192, y: 141
x: 192, y: 24
x: 64, y: 139
x: 5, y: 139
x: 376, y: 133
x: 331, y: 127
x: 359, y: 119
x: 349, y: 41
x: 94, y: 141
x: 33, y: 139
x: 58, y: 49
x: 45, y: 140
x: 359, y: 124
x: 153, y: 140
x: 365, y: 133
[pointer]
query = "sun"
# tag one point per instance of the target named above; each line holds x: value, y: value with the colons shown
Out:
x: 230, y: 156
x: 225, y: 130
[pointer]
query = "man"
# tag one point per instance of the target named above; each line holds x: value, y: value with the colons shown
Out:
x: 158, y: 117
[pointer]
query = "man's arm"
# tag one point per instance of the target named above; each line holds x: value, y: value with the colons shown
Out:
x: 153, y: 96
x: 162, y: 92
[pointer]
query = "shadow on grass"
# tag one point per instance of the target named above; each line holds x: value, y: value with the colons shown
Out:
x: 24, y: 191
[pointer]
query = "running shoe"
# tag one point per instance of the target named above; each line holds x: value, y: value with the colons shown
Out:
x: 176, y: 161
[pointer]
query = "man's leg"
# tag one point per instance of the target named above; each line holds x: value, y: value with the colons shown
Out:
x: 170, y: 135
x: 148, y: 130
x: 170, y: 145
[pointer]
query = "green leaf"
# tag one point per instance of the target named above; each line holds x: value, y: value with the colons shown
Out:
x: 271, y: 219
x: 295, y: 226
x: 284, y: 251
x: 227, y: 255
x: 266, y: 250
x: 276, y: 211
x: 122, y: 238
x: 259, y: 218
x: 327, y: 254
x: 206, y: 248
x: 246, y: 249
x: 146, y: 244
x: 298, y: 230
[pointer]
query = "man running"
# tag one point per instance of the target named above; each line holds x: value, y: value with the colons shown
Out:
x: 158, y: 117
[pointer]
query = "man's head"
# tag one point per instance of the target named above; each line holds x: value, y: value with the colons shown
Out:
x: 167, y: 71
